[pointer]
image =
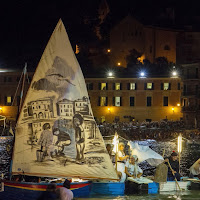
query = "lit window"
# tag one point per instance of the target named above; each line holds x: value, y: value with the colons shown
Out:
x: 166, y: 86
x: 103, y: 101
x: 117, y: 101
x: 149, y: 86
x: 9, y: 99
x: 103, y: 86
x: 132, y: 86
x: 117, y: 86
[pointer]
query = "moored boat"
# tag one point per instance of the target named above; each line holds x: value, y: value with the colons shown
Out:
x: 56, y: 134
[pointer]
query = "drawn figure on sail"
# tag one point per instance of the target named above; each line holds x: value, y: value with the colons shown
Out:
x: 46, y: 139
x: 80, y: 136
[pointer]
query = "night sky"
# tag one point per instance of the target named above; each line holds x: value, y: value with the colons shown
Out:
x: 27, y: 25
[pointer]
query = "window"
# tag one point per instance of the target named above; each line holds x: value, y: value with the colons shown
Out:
x: 117, y: 101
x: 132, y: 101
x: 89, y: 86
x: 117, y: 86
x: 132, y: 86
x: 166, y: 86
x: 149, y: 86
x: 148, y: 101
x: 103, y: 86
x: 9, y: 100
x: 166, y: 47
x: 165, y: 101
x: 103, y: 101
x: 179, y: 86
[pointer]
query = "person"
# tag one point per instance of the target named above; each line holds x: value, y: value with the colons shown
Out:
x: 50, y: 193
x: 174, y: 173
x: 80, y: 137
x: 46, y: 140
x: 121, y: 159
x: 132, y: 169
x: 195, y: 169
x: 64, y: 192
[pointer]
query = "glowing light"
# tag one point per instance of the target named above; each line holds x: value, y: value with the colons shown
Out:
x: 110, y: 74
x: 178, y: 104
x: 179, y: 143
x: 108, y: 109
x: 108, y: 50
x: 142, y: 74
x: 173, y: 109
x: 1, y: 108
x: 174, y: 73
x: 115, y: 142
x: 118, y: 63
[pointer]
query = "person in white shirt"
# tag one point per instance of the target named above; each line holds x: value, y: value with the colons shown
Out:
x: 121, y: 160
x: 132, y: 169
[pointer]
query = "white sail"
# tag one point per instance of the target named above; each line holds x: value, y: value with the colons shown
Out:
x: 56, y: 133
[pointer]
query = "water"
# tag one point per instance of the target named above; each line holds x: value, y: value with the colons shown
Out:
x: 187, y: 195
x: 189, y: 155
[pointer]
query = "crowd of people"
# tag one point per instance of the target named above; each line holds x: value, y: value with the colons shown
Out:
x: 159, y: 130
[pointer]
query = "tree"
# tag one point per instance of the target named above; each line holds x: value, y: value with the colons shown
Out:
x: 132, y: 58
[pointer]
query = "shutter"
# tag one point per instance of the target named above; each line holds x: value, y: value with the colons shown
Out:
x: 5, y: 100
x: 99, y: 86
x: 106, y: 86
x: 113, y: 86
x: 179, y: 86
x: 152, y: 86
x: 99, y: 100
x: 135, y: 86
x: 11, y: 99
x: 169, y: 86
x: 113, y: 101
x: 128, y: 86
x: 106, y: 101
x: 162, y: 86
x: 120, y: 86
x: 120, y: 101
x: 145, y: 86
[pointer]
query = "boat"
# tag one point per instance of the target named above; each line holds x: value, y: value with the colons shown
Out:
x: 56, y: 135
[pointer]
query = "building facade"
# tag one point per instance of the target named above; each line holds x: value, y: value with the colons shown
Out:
x: 151, y: 42
x: 190, y: 97
x: 139, y: 99
x: 112, y: 99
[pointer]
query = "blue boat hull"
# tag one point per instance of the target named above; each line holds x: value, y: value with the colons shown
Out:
x: 31, y: 191
x: 108, y: 188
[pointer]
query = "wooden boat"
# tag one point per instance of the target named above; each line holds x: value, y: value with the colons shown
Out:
x: 56, y: 135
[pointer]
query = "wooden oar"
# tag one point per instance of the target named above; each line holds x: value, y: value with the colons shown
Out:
x: 174, y: 175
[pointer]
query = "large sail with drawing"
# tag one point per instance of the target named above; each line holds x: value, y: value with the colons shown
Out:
x: 56, y: 134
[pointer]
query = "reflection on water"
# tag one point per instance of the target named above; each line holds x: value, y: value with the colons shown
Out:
x: 189, y: 195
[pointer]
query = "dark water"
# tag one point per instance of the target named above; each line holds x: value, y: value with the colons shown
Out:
x: 190, y: 153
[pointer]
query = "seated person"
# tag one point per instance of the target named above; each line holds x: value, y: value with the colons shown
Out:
x: 132, y: 169
x: 174, y: 173
x: 195, y: 169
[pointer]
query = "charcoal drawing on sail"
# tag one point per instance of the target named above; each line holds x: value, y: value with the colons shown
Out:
x: 56, y: 133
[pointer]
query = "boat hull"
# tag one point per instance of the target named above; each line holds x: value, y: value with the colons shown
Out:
x: 155, y: 188
x: 31, y: 191
x: 107, y: 188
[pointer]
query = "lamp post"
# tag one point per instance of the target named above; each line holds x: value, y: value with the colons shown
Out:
x: 179, y: 149
x: 115, y: 148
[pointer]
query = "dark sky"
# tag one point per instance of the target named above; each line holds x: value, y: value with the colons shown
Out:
x: 26, y: 25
